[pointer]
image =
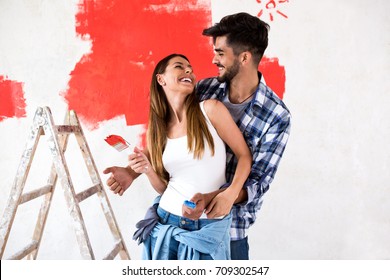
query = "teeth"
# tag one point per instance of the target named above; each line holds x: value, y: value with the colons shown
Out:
x: 186, y: 80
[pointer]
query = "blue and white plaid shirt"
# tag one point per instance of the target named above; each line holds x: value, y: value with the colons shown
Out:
x: 265, y: 125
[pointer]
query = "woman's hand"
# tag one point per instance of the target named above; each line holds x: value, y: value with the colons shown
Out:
x: 139, y: 162
x: 195, y: 213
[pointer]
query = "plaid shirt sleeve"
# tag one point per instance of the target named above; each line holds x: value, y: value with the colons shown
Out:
x: 209, y: 88
x: 267, y: 151
x: 266, y: 128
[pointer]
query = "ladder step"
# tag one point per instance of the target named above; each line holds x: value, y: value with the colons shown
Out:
x: 25, y: 251
x: 87, y: 193
x: 35, y: 193
x: 114, y: 251
x: 67, y: 129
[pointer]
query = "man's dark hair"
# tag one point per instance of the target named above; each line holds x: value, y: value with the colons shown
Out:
x: 244, y: 32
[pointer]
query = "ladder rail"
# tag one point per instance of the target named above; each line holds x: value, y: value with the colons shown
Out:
x: 104, y: 202
x: 45, y: 205
x: 20, y: 180
x: 67, y: 186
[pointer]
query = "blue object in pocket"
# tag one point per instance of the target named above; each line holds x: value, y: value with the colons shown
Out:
x: 190, y: 204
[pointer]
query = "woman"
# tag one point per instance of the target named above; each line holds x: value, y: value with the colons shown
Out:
x: 185, y: 155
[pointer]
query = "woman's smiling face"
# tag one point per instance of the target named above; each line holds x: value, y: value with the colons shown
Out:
x: 178, y: 76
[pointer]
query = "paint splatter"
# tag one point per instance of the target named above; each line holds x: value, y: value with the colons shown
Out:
x: 128, y: 39
x: 13, y: 103
x: 274, y: 74
x: 270, y: 7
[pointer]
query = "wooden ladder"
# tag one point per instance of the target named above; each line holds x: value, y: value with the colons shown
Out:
x: 57, y: 140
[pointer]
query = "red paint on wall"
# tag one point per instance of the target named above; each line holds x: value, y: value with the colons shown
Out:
x: 128, y: 39
x: 12, y: 102
x: 274, y: 74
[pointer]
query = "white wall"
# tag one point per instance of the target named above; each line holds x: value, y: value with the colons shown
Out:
x: 330, y: 198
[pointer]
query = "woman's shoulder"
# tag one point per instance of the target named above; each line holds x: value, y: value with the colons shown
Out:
x: 211, y: 105
x: 215, y: 109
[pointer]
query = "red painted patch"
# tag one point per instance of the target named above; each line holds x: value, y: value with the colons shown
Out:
x: 128, y: 39
x: 12, y: 99
x: 274, y: 74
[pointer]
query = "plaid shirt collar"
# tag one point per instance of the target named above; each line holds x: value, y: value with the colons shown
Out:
x: 258, y: 99
x: 256, y: 103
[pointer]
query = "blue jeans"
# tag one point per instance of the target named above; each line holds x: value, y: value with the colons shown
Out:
x: 184, y: 223
x: 239, y: 249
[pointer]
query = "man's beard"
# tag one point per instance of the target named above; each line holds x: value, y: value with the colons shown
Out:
x: 230, y: 72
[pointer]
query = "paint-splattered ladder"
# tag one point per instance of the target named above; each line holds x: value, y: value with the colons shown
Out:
x: 57, y: 138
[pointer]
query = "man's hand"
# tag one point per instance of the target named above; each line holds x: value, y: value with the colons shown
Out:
x: 194, y: 214
x: 120, y: 179
x: 221, y: 204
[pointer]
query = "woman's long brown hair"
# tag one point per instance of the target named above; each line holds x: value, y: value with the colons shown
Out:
x: 197, y: 129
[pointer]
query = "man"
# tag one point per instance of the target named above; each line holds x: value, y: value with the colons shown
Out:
x: 239, y: 44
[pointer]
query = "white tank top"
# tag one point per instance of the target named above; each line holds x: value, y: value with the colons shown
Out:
x: 189, y: 175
